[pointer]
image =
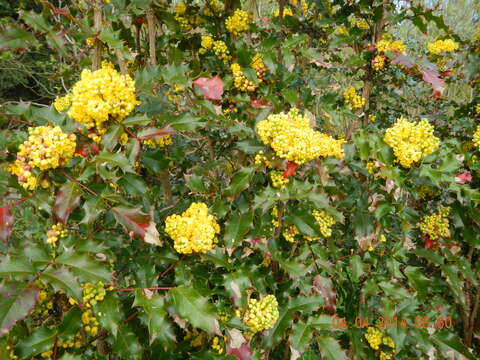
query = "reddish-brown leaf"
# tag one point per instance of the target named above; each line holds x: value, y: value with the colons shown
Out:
x: 243, y: 352
x: 326, y: 289
x: 16, y: 304
x: 259, y: 103
x: 212, y: 88
x: 6, y: 223
x: 431, y: 76
x: 291, y: 169
x: 155, y: 133
x: 429, y: 243
x: 463, y: 178
x: 67, y: 199
x: 138, y: 223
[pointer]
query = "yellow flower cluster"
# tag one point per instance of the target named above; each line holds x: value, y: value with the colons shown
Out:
x: 477, y: 108
x: 476, y: 138
x: 370, y: 167
x: 186, y: 22
x: 57, y: 231
x: 439, y: 46
x: 353, y: 100
x: 378, y: 62
x: 261, y: 314
x: 102, y: 95
x: 360, y: 23
x: 436, y: 225
x: 385, y: 45
x: 62, y: 103
x: 278, y: 180
x: 259, y: 66
x: 374, y: 337
x: 46, y: 148
x: 212, y: 8
x: 303, y: 4
x: 90, y: 322
x: 206, y: 43
x: 11, y: 353
x: 286, y: 12
x: 372, y: 117
x: 275, y: 219
x: 289, y: 233
x: 261, y: 159
x: 342, y: 30
x: 325, y: 222
x: 194, y: 231
x: 159, y: 143
x: 239, y: 79
x: 221, y: 51
x: 90, y: 41
x: 216, y: 345
x: 123, y: 139
x: 411, y: 141
x: 238, y: 22
x: 292, y: 138
x: 93, y: 293
x: 44, y: 303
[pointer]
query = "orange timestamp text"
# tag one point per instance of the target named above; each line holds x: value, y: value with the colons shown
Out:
x: 386, y: 322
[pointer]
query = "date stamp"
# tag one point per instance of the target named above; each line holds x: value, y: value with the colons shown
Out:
x: 386, y: 322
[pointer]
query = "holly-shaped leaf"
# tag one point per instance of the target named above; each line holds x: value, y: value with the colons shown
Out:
x: 190, y: 305
x: 330, y: 348
x: 212, y: 88
x: 153, y: 133
x: 136, y: 222
x: 15, y: 303
x: 67, y: 199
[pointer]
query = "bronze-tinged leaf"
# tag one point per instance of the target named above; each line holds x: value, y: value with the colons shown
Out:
x: 212, y: 88
x: 139, y: 223
x: 6, y: 223
x: 15, y: 304
x: 67, y: 199
x: 259, y: 103
x: 326, y: 289
x: 153, y: 133
x: 431, y: 76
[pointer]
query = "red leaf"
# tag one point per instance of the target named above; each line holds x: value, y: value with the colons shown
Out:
x: 155, y: 133
x: 139, y: 20
x: 436, y: 95
x: 82, y: 152
x: 463, y: 178
x: 259, y: 103
x: 291, y: 169
x: 6, y: 223
x: 138, y: 223
x: 429, y: 243
x: 67, y: 199
x: 431, y: 76
x: 212, y: 88
x: 243, y: 352
x: 325, y: 288
x: 255, y: 241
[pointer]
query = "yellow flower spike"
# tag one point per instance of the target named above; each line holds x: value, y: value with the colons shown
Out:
x: 278, y: 180
x: 238, y: 22
x: 324, y: 221
x: 411, y: 141
x: 261, y: 314
x: 353, y: 100
x: 102, y: 95
x: 440, y: 46
x: 436, y: 225
x: 292, y: 138
x: 194, y: 231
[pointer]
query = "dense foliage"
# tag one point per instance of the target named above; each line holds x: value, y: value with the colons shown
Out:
x: 213, y: 182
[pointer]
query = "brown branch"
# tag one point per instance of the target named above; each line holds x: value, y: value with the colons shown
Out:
x: 78, y: 183
x: 55, y: 348
x: 121, y: 62
x: 146, y: 288
x: 98, y: 46
x: 473, y: 317
x: 171, y: 267
x: 19, y: 201
x: 151, y: 36
x: 21, y: 121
